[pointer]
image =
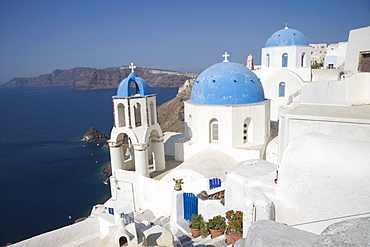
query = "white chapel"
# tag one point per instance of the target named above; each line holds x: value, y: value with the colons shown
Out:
x: 227, y: 112
x: 285, y: 67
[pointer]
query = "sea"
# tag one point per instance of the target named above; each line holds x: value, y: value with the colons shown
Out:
x: 48, y: 177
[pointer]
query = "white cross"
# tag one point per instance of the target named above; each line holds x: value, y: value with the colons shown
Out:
x: 132, y: 67
x: 225, y: 56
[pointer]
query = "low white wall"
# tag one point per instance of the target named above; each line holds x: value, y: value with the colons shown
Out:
x: 138, y: 192
x: 359, y: 89
x: 170, y: 138
x: 63, y: 235
x: 325, y: 74
x: 324, y: 92
x: 323, y: 177
x: 210, y: 208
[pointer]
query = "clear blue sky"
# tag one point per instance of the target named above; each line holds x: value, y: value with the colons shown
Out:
x: 39, y: 36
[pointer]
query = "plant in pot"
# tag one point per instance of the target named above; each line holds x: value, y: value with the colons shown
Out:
x: 235, y: 227
x: 195, y: 225
x: 217, y: 226
x: 228, y: 235
x: 178, y: 183
x: 204, y: 230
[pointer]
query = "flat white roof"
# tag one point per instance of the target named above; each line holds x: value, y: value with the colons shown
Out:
x: 330, y: 112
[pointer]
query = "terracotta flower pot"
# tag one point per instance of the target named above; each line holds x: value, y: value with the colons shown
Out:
x: 216, y: 233
x: 177, y: 187
x: 228, y: 238
x: 235, y: 237
x: 195, y: 232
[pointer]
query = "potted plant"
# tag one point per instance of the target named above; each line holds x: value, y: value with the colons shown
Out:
x: 195, y: 225
x: 217, y: 226
x: 204, y: 230
x: 178, y: 183
x: 235, y: 227
x: 228, y: 235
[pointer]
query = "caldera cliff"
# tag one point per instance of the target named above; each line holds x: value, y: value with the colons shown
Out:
x: 82, y: 78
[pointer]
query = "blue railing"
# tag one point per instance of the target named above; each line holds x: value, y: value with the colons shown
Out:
x: 214, y: 183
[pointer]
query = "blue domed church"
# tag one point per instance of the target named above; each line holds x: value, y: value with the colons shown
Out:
x: 228, y: 112
x: 285, y: 67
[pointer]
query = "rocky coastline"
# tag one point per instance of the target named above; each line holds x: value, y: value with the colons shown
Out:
x: 94, y: 136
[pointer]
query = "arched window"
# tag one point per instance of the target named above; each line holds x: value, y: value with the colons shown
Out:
x: 268, y: 60
x: 284, y: 60
x: 137, y: 110
x: 303, y: 60
x: 282, y: 89
x: 247, y: 135
x: 214, y: 130
x: 121, y: 115
x: 152, y: 113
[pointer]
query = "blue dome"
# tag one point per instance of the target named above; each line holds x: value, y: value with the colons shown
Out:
x: 285, y: 37
x: 227, y: 83
x: 141, y: 88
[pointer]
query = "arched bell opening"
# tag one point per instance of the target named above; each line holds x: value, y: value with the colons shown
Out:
x: 156, y: 149
x: 123, y: 241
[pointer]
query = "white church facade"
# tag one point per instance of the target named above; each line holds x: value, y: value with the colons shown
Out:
x: 228, y: 112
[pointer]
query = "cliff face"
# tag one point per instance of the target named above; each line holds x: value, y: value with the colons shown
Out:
x: 171, y: 113
x: 90, y: 78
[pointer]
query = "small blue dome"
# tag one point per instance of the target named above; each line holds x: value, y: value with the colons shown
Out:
x: 285, y: 37
x: 141, y: 89
x: 227, y: 83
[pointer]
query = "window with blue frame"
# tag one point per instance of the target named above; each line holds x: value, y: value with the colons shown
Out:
x: 284, y: 62
x: 282, y: 89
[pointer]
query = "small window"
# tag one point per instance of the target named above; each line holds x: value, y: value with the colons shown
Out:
x: 137, y: 110
x: 282, y: 89
x: 152, y: 113
x: 214, y: 131
x: 303, y: 60
x: 268, y: 60
x: 284, y: 62
x: 364, y: 62
x: 247, y: 137
x: 121, y: 115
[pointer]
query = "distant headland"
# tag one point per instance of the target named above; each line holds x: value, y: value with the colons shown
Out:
x: 83, y: 78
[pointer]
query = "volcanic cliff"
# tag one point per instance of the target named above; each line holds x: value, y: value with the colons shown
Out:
x: 81, y: 78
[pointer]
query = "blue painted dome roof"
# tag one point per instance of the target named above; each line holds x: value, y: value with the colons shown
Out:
x: 285, y: 37
x: 227, y: 83
x: 141, y: 87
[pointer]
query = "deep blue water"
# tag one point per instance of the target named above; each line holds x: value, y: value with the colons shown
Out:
x: 46, y: 173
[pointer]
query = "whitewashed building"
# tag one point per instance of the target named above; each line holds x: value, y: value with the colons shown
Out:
x: 285, y: 66
x: 227, y: 112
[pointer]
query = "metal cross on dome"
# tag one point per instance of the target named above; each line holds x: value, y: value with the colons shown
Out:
x: 132, y: 67
x: 225, y: 55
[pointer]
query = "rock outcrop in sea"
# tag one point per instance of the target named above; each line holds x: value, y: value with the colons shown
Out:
x: 94, y: 136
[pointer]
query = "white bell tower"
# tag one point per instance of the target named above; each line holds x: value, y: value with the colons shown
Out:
x: 135, y: 115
